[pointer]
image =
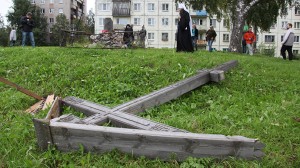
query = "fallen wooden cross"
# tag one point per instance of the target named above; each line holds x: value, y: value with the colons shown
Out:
x: 139, y: 136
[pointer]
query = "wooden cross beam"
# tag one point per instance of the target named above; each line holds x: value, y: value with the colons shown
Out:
x: 140, y: 136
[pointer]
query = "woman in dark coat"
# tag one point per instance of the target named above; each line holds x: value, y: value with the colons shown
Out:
x: 128, y: 35
x: 184, y: 38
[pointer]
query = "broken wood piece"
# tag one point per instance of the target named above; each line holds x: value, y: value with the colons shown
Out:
x: 48, y: 102
x: 55, y: 110
x: 36, y: 107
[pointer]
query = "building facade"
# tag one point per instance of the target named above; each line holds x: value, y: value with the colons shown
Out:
x: 160, y: 20
x: 73, y: 9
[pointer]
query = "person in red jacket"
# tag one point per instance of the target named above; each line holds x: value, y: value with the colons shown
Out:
x: 250, y: 38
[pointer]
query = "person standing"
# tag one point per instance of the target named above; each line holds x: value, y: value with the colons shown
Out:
x: 195, y: 36
x: 184, y: 37
x: 287, y: 43
x: 128, y: 35
x: 12, y: 37
x: 250, y: 38
x: 27, y: 26
x: 142, y: 35
x: 210, y: 37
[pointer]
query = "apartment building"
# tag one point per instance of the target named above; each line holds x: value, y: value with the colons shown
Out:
x: 73, y: 9
x: 160, y: 19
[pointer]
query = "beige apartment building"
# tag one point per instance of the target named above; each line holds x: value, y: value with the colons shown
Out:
x: 73, y: 9
x: 160, y: 19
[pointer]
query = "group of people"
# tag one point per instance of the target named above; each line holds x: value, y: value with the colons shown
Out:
x: 187, y: 34
x: 27, y: 25
x: 287, y: 44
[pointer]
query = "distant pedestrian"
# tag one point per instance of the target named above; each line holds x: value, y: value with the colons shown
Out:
x: 12, y: 37
x: 142, y: 35
x: 210, y: 37
x: 195, y: 36
x: 184, y: 30
x: 250, y: 38
x: 128, y: 36
x: 27, y: 26
x: 287, y: 43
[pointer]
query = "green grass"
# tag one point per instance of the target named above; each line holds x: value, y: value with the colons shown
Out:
x: 258, y: 99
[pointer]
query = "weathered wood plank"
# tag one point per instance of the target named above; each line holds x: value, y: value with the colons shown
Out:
x: 43, y: 133
x: 217, y: 75
x: 86, y: 107
x: 152, y: 144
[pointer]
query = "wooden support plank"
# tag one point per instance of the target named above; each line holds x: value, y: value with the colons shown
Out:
x: 173, y: 91
x: 55, y: 110
x: 97, y: 119
x: 152, y: 144
x: 86, y: 107
x: 43, y: 133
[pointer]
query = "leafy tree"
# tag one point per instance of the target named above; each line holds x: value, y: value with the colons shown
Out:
x: 261, y: 13
x: 4, y: 36
x: 90, y: 23
x: 20, y: 8
x: 58, y: 35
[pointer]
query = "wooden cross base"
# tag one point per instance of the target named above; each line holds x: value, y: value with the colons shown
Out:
x: 138, y: 136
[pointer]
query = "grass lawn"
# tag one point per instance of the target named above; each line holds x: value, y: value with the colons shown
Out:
x: 258, y: 99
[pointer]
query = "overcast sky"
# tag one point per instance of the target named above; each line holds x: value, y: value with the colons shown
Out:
x: 6, y: 4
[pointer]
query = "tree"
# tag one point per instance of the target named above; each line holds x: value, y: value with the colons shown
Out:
x: 4, y: 39
x: 90, y: 23
x: 238, y: 11
x: 58, y: 35
x: 20, y: 8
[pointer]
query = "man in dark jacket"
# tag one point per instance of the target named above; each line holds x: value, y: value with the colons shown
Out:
x: 27, y: 26
x: 210, y: 37
x: 184, y: 38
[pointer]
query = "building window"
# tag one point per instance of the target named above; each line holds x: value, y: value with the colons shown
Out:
x: 150, y: 6
x: 60, y: 10
x: 297, y: 25
x: 50, y: 30
x: 165, y: 7
x: 273, y: 26
x: 225, y: 37
x: 150, y: 36
x: 176, y: 21
x: 51, y: 1
x: 296, y: 39
x: 32, y: 1
x: 226, y: 23
x: 42, y: 10
x: 122, y: 21
x: 151, y: 21
x: 137, y: 7
x: 297, y: 11
x: 51, y: 20
x: 284, y: 24
x: 51, y: 10
x: 295, y: 52
x: 198, y: 21
x: 42, y: 1
x: 103, y: 6
x: 213, y: 22
x: 165, y: 21
x: 269, y: 38
x: 101, y: 21
x: 137, y: 21
x: 165, y: 37
x: 61, y: 1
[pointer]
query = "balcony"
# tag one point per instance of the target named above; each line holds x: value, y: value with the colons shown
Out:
x: 121, y: 8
